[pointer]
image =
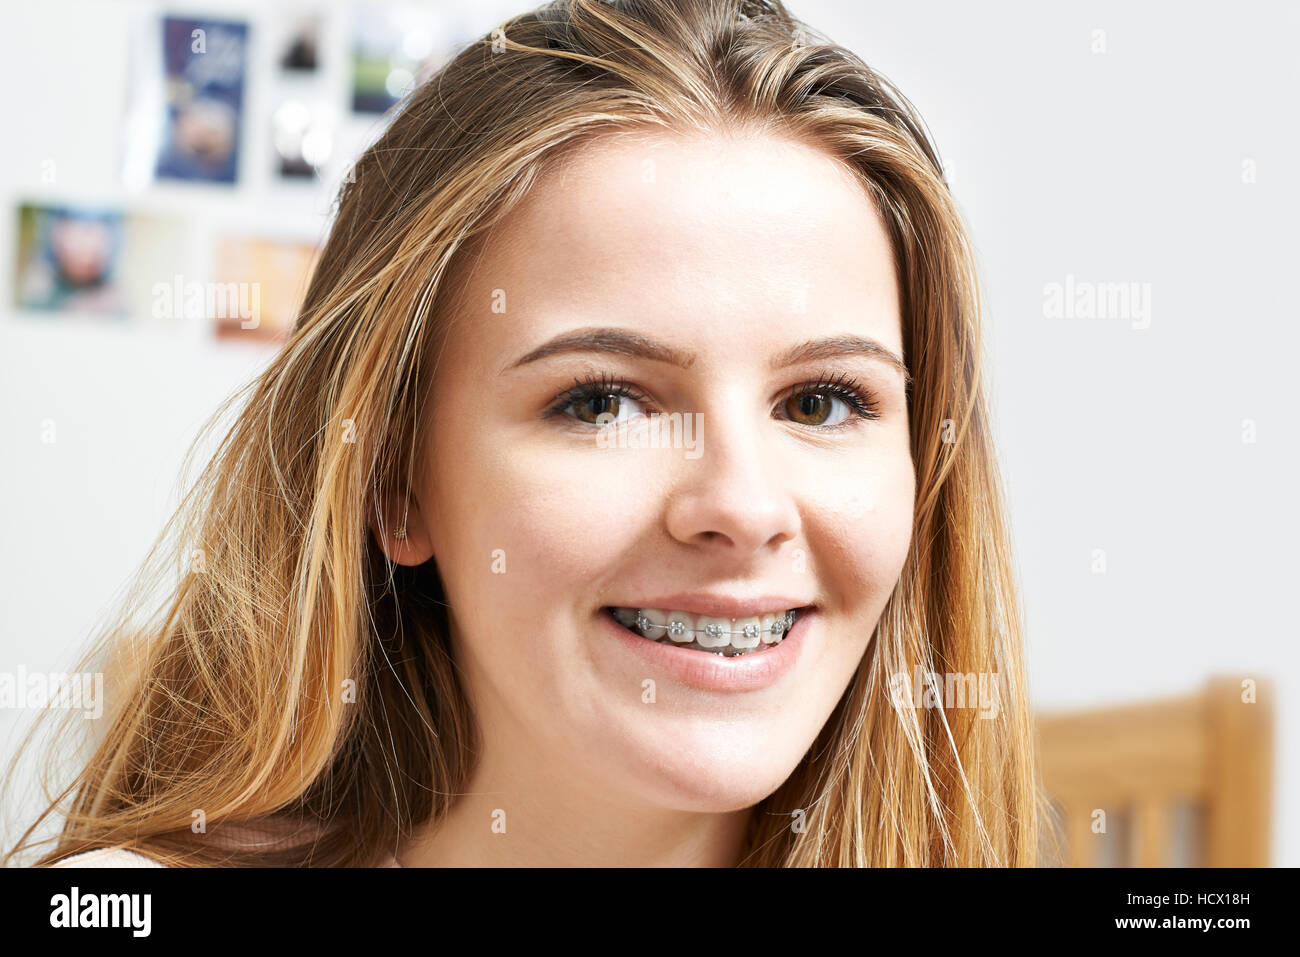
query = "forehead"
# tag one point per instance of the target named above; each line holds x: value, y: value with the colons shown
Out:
x: 708, y: 235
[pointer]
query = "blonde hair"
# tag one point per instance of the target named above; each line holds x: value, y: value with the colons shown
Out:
x: 229, y: 694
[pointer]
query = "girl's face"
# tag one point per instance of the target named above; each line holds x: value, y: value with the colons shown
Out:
x: 745, y: 289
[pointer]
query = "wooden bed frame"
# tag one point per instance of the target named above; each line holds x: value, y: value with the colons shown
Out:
x: 1184, y: 781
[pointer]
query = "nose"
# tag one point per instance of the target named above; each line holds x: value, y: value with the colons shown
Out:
x: 735, y: 497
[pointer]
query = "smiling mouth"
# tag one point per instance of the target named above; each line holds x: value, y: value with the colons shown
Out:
x: 728, y: 637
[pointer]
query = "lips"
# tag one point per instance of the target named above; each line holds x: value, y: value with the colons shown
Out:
x: 720, y: 606
x: 706, y: 669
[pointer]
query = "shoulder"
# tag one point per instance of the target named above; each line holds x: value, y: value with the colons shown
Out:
x: 108, y: 857
x: 121, y: 857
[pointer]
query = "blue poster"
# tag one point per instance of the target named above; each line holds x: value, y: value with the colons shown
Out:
x: 205, y: 64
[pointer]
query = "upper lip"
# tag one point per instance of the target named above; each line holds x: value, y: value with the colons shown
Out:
x: 719, y: 606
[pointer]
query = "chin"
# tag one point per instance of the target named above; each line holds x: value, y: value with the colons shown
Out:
x: 703, y: 766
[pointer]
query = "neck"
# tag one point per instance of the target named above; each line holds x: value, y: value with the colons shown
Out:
x: 536, y: 816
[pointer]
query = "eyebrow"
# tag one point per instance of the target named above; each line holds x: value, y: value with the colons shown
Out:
x: 628, y: 343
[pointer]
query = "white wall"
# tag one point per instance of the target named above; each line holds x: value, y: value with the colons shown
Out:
x: 1115, y: 167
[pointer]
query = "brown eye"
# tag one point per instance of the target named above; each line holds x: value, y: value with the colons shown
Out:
x: 814, y: 404
x: 813, y: 408
x: 596, y: 406
x: 600, y: 401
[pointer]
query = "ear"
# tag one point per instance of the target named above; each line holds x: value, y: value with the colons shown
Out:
x: 402, y: 530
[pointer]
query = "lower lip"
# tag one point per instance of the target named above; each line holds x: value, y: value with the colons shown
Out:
x: 713, y: 672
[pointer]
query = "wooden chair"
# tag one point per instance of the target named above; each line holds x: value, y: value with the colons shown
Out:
x: 1184, y: 781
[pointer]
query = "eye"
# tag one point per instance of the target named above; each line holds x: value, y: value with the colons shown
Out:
x: 593, y: 397
x: 828, y: 403
x: 825, y: 404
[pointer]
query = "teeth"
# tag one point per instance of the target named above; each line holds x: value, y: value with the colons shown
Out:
x: 748, y: 637
x: 652, y: 622
x: 680, y: 627
x: 713, y: 632
x: 724, y: 636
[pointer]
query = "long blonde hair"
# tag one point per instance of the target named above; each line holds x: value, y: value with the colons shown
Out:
x: 267, y: 598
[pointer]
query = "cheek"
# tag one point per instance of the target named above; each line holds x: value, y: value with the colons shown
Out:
x: 520, y: 536
x: 860, y: 526
x: 535, y: 527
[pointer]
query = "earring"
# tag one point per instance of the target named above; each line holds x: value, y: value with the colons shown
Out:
x: 400, y: 533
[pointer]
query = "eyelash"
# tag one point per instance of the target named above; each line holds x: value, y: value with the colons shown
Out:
x: 860, y: 400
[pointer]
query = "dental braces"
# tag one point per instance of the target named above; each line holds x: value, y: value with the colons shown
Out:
x: 678, y: 628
